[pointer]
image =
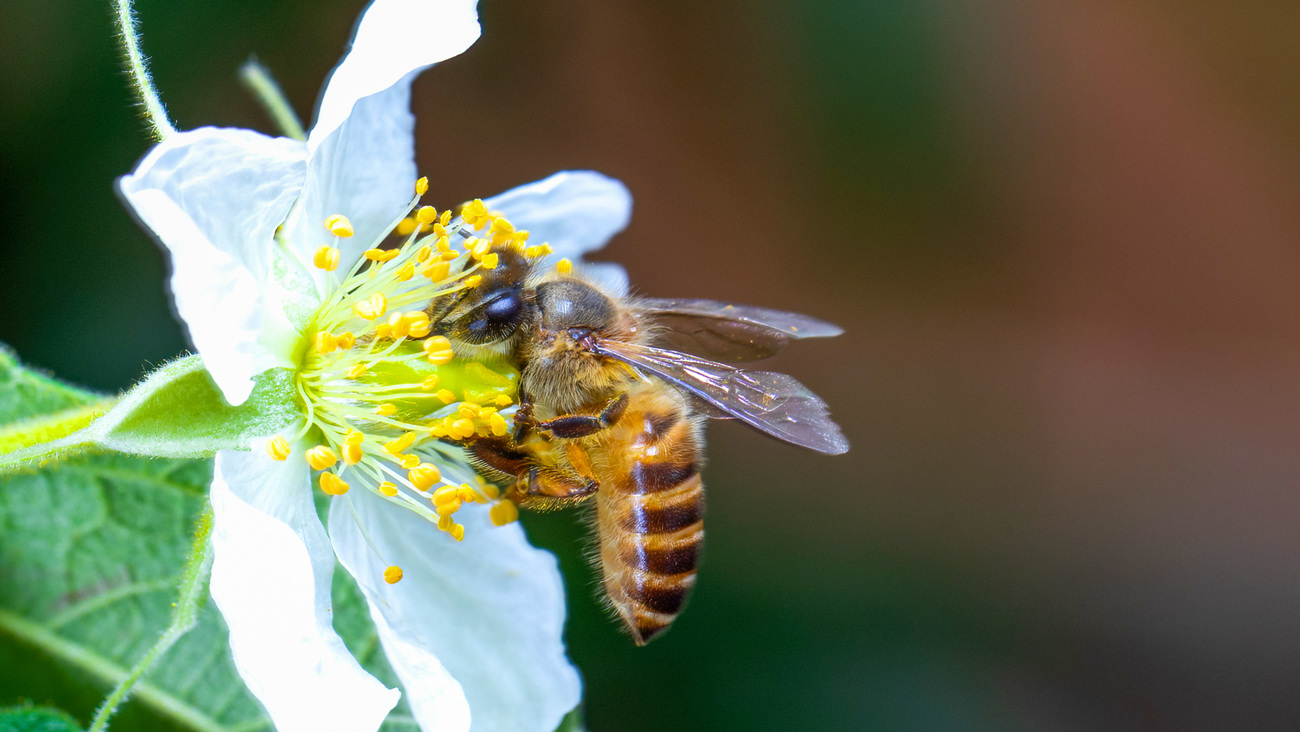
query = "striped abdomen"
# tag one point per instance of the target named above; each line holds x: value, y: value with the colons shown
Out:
x: 650, y: 509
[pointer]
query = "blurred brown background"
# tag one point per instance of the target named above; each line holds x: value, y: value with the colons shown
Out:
x: 1064, y: 242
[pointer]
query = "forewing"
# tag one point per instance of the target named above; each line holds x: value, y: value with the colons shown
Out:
x: 727, y: 331
x: 773, y: 403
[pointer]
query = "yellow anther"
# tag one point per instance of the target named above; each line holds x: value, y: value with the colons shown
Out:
x: 353, y: 438
x: 278, y: 448
x: 396, y: 326
x: 437, y: 271
x: 382, y: 255
x: 430, y: 383
x: 421, y: 186
x: 387, y: 489
x: 326, y: 258
x: 386, y: 409
x: 457, y: 531
x: 468, y: 495
x: 463, y: 428
x: 352, y: 454
x: 469, y: 410
x: 498, y: 424
x: 372, y: 307
x: 417, y: 323
x: 339, y: 225
x: 438, y: 350
x: 448, y: 508
x: 445, y: 218
x: 406, y: 227
x: 424, y: 476
x: 490, y: 260
x: 445, y: 494
x: 475, y: 213
x: 564, y: 266
x: 333, y: 485
x: 446, y: 395
x: 449, y: 256
x: 321, y: 458
x: 539, y: 250
x: 503, y: 512
x: 357, y: 371
x: 345, y: 340
x: 382, y: 331
x: 393, y: 575
x: 473, y: 244
x: 438, y: 430
x: 503, y: 401
x: 423, y: 253
x: 398, y: 445
x: 491, y: 491
x: 325, y: 343
x: 474, y: 280
x: 444, y: 239
x: 445, y: 523
x: 427, y: 214
x: 406, y: 272
x: 409, y: 461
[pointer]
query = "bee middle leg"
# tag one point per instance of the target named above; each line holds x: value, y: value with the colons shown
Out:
x: 572, y: 426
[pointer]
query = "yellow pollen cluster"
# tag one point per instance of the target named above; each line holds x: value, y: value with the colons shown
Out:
x: 385, y: 396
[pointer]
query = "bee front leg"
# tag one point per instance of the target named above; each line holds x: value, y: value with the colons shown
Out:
x: 571, y: 426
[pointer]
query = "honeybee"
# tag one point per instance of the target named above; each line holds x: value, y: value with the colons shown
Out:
x: 611, y: 408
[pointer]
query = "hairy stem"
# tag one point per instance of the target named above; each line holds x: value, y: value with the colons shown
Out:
x: 137, y: 65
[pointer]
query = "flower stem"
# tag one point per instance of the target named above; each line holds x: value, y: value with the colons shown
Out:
x: 259, y: 81
x: 185, y: 615
x: 140, y: 78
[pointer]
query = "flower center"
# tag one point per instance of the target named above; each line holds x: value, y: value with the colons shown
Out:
x: 381, y: 391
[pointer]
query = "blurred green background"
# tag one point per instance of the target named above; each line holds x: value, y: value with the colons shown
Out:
x: 1063, y: 239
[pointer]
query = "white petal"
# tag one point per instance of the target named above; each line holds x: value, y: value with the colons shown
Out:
x: 489, y: 610
x: 365, y: 170
x: 271, y: 574
x: 393, y: 38
x: 575, y: 211
x: 214, y: 198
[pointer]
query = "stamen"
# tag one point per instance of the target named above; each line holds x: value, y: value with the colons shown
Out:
x: 438, y: 349
x: 393, y: 575
x: 426, y: 214
x: 321, y: 458
x: 424, y: 476
x: 278, y: 448
x: 326, y: 258
x: 421, y: 186
x: 564, y: 266
x: 387, y: 488
x: 503, y: 512
x: 333, y: 485
x: 339, y: 226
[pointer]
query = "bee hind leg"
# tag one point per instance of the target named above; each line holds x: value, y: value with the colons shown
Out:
x: 546, y: 487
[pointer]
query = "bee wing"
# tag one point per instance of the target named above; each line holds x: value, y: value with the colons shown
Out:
x: 727, y: 331
x: 773, y: 403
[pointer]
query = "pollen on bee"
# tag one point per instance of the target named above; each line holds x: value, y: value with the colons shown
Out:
x: 339, y: 226
x: 278, y: 448
x: 326, y: 258
x: 393, y: 575
x: 333, y: 485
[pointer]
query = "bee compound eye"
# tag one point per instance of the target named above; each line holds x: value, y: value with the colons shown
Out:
x: 494, y: 320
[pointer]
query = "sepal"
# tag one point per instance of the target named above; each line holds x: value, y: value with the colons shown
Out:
x: 176, y: 411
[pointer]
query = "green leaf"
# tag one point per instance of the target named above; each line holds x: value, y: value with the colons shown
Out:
x: 177, y: 411
x: 36, y: 719
x: 90, y: 553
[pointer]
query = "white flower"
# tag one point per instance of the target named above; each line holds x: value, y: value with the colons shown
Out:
x: 473, y: 630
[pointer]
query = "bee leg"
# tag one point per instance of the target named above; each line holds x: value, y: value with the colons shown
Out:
x: 570, y: 426
x: 497, y: 456
x: 549, y: 485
